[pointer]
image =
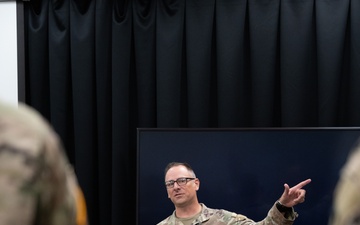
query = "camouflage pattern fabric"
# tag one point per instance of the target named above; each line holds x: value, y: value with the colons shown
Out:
x: 37, y: 183
x: 346, y: 205
x: 210, y: 216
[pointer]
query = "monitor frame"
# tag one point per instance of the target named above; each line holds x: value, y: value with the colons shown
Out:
x: 176, y: 140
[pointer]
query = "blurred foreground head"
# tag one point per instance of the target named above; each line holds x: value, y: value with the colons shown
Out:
x: 37, y: 183
x: 346, y: 205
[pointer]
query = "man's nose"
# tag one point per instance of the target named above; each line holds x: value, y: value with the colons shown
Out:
x: 176, y: 185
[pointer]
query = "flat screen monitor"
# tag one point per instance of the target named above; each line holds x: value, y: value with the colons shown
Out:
x: 243, y: 170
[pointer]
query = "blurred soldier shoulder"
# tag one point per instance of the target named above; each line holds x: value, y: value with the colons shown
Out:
x: 346, y: 204
x: 37, y: 183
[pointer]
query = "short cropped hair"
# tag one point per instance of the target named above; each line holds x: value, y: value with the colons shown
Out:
x: 173, y: 164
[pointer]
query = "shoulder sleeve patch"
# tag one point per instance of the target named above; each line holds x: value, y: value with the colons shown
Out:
x: 238, y: 217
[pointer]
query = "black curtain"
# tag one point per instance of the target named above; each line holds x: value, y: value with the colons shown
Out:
x: 99, y: 69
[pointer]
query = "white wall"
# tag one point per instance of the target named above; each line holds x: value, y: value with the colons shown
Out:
x: 8, y: 52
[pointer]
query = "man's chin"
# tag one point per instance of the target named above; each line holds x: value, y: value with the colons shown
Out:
x: 179, y: 202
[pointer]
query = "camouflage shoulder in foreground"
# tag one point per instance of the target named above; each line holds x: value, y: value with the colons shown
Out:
x: 346, y: 204
x: 35, y: 176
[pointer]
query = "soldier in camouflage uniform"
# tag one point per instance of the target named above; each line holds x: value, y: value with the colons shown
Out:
x: 182, y: 185
x: 37, y: 184
x: 346, y: 205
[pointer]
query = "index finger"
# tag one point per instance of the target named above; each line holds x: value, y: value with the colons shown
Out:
x: 302, y: 184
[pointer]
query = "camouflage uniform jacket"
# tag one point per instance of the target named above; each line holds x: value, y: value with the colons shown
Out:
x: 210, y: 216
x: 37, y: 183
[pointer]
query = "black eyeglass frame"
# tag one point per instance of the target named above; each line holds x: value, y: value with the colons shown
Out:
x: 170, y: 183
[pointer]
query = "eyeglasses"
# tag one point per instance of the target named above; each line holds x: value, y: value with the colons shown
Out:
x: 180, y: 181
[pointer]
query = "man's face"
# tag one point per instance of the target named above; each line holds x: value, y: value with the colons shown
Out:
x: 182, y: 195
